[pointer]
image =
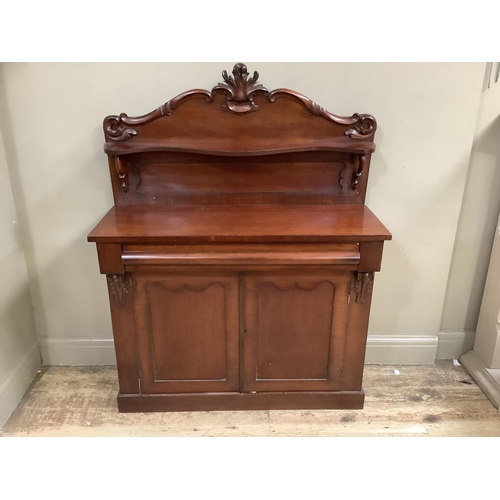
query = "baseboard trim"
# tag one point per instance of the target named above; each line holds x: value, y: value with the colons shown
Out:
x: 99, y: 351
x: 392, y: 350
x: 17, y: 382
x: 452, y: 344
x: 77, y: 351
x: 486, y: 378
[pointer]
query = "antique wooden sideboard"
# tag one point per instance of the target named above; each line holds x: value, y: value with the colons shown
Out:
x: 239, y: 253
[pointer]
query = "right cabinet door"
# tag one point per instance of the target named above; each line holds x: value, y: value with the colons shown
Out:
x: 294, y: 330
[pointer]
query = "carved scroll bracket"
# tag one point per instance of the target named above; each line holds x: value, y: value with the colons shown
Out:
x: 117, y: 284
x: 122, y: 174
x: 115, y: 128
x: 364, y: 126
x: 363, y: 285
x: 357, y: 173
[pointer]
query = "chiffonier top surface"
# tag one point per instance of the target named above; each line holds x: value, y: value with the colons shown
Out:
x: 239, y: 223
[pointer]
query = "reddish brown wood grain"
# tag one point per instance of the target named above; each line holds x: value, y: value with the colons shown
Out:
x: 198, y: 179
x: 122, y: 319
x: 239, y: 254
x: 242, y: 401
x: 371, y: 255
x: 255, y: 254
x: 110, y: 258
x: 241, y: 223
x: 295, y: 324
x: 188, y: 332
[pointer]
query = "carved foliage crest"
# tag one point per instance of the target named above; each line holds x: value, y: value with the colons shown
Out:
x: 240, y: 90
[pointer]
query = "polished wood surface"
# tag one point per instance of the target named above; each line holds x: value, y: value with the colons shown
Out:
x: 314, y: 400
x: 239, y: 117
x: 240, y: 223
x: 194, y: 179
x: 226, y: 148
x: 188, y: 331
x: 239, y: 255
x: 253, y: 254
x: 295, y: 324
x: 310, y: 177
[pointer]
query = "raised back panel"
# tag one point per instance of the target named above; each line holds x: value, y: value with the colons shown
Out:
x: 187, y: 178
x: 239, y: 143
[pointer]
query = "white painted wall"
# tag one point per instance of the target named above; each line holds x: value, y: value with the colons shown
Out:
x: 479, y: 234
x: 19, y: 351
x: 487, y: 341
x: 478, y: 217
x: 426, y: 114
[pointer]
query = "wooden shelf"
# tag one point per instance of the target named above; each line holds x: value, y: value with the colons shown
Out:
x: 239, y: 223
x: 234, y: 148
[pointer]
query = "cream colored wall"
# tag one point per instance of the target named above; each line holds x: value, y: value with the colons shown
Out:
x: 426, y: 115
x: 478, y: 217
x: 19, y: 351
x: 487, y: 341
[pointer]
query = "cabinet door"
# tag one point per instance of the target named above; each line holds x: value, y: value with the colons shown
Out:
x: 294, y: 330
x: 187, y: 332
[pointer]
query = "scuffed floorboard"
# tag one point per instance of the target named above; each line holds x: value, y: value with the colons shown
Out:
x: 421, y: 401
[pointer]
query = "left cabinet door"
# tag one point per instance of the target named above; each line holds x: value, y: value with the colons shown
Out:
x: 187, y: 330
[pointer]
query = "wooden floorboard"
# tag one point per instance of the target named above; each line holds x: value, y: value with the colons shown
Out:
x: 440, y: 400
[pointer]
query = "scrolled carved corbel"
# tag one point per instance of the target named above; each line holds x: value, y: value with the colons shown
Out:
x: 122, y: 174
x: 363, y: 285
x: 117, y: 287
x: 357, y: 173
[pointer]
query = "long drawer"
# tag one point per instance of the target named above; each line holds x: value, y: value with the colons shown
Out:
x: 345, y: 254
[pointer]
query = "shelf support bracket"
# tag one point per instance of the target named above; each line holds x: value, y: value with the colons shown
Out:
x: 357, y: 174
x: 122, y: 174
x: 117, y: 287
x: 363, y: 285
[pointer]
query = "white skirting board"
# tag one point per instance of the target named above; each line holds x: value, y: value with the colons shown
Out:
x: 17, y: 382
x: 389, y: 350
x: 486, y: 378
x: 399, y: 350
x: 452, y: 344
x: 75, y: 351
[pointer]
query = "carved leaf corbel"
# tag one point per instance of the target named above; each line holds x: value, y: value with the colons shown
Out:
x: 363, y: 285
x: 117, y: 287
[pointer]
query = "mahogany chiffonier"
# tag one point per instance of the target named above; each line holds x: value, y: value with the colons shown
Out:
x: 239, y: 253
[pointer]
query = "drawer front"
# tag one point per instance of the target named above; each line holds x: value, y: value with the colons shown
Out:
x: 295, y: 330
x: 187, y: 329
x: 256, y: 254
